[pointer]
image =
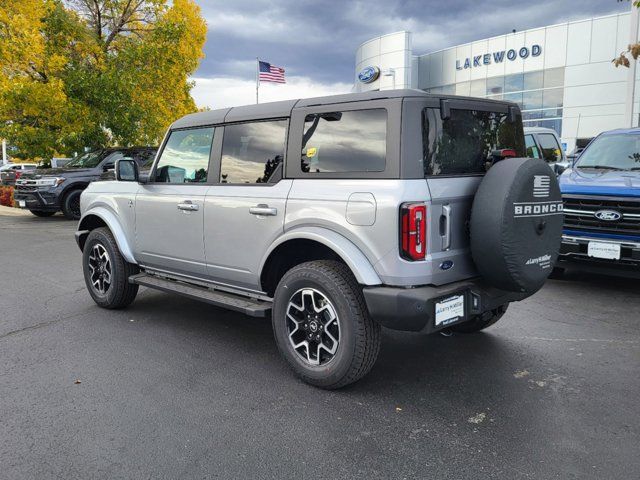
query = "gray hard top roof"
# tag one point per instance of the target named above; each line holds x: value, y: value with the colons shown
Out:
x: 283, y: 108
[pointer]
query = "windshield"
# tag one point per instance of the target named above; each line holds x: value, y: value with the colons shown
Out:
x: 615, y: 152
x: 88, y: 160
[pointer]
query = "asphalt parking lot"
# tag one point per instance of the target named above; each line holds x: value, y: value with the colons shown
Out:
x: 171, y: 388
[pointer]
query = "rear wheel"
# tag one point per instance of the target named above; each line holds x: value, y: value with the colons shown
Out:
x: 481, y: 321
x: 71, y: 205
x: 42, y: 213
x: 322, y: 326
x: 106, y: 272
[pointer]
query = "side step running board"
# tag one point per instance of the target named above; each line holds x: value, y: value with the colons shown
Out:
x: 246, y: 305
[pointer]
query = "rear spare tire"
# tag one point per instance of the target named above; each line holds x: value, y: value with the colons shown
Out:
x: 516, y: 225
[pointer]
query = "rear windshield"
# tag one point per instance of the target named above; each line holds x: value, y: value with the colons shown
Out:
x: 466, y: 142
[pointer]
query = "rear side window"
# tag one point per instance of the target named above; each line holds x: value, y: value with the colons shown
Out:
x: 253, y: 152
x: 550, y: 148
x: 532, y: 148
x: 185, y: 158
x: 464, y: 143
x: 350, y: 141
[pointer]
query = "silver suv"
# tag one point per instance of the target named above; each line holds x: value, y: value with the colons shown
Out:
x: 334, y: 216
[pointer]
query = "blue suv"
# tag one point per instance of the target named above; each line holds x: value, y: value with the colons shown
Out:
x: 601, y: 195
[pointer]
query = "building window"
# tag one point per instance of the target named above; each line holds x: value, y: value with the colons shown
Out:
x: 478, y: 88
x: 514, y: 83
x: 495, y: 85
x: 533, y: 80
x: 462, y: 88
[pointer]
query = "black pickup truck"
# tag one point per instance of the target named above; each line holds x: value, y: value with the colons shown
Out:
x: 47, y: 191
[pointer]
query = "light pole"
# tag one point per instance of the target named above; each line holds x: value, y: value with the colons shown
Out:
x: 390, y: 72
x: 4, y: 152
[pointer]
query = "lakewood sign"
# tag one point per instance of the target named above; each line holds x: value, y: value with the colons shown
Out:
x: 498, y: 57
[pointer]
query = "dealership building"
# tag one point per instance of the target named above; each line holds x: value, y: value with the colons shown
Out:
x: 561, y: 76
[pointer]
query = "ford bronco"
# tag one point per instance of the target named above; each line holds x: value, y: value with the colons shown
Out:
x: 334, y: 216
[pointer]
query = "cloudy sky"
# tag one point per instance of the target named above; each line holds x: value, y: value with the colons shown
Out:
x: 315, y: 41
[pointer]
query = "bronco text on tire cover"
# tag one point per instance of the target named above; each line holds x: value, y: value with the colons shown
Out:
x: 516, y: 224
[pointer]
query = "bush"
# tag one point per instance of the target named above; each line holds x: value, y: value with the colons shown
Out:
x: 6, y: 196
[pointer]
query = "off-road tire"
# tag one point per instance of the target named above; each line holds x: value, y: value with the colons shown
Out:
x: 359, y: 343
x: 42, y: 213
x: 120, y: 292
x: 70, y: 208
x: 481, y: 321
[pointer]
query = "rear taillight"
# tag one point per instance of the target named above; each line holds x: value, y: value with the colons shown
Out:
x: 413, y: 231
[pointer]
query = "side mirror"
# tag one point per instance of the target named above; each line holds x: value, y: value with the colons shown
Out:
x: 127, y: 170
x: 558, y: 169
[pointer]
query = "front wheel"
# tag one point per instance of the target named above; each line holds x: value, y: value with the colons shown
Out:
x: 106, y: 272
x: 71, y: 205
x: 481, y: 321
x: 322, y: 326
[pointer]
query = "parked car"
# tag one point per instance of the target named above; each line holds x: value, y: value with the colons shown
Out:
x: 10, y: 172
x: 47, y: 191
x: 544, y: 143
x: 144, y: 169
x: 601, y: 196
x: 336, y: 215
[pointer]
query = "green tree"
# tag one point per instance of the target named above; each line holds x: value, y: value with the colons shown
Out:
x: 89, y: 73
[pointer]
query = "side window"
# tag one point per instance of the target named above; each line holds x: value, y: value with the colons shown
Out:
x: 532, y: 148
x: 144, y: 158
x: 464, y: 143
x: 351, y: 141
x: 185, y: 158
x: 110, y: 161
x: 253, y: 152
x: 550, y: 149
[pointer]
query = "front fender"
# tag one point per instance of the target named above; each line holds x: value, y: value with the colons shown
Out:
x: 112, y: 222
x: 350, y: 254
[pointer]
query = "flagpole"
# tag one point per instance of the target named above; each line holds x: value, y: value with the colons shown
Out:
x: 257, y: 78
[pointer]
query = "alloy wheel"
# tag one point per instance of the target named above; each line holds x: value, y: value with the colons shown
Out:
x: 313, y: 326
x: 100, y: 269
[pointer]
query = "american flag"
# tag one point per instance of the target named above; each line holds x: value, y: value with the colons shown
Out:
x: 270, y: 73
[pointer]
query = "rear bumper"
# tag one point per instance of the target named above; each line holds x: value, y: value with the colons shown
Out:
x: 36, y: 200
x: 413, y: 309
x: 574, y: 249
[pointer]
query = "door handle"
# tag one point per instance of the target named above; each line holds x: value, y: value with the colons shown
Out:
x: 263, y: 210
x: 188, y: 206
x: 446, y: 227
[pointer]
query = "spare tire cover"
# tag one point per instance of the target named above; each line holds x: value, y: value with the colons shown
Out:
x: 516, y: 224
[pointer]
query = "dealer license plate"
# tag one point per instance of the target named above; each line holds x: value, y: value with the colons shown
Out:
x: 22, y: 203
x: 610, y: 251
x: 449, y: 310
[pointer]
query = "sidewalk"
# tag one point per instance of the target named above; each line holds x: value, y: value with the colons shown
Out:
x: 13, y: 212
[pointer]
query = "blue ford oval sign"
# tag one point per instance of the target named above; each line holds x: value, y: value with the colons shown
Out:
x: 369, y: 74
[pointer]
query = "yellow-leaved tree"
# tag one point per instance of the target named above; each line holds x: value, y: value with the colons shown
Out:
x: 91, y: 73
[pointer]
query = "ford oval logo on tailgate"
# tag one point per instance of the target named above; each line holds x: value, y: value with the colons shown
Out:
x: 608, y: 215
x: 446, y: 265
x: 369, y: 74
